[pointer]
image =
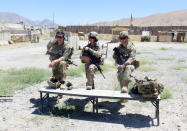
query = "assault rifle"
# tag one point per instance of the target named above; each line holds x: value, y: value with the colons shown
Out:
x: 100, y: 70
x: 119, y: 56
x: 94, y: 61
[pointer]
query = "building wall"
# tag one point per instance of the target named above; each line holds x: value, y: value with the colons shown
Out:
x: 5, y: 36
x: 135, y: 30
x: 165, y: 37
x: 185, y: 38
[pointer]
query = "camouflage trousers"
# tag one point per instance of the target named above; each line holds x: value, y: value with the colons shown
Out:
x: 90, y: 70
x: 124, y: 75
x: 59, y: 71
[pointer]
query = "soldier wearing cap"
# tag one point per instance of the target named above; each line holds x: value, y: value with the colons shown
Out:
x: 91, y: 55
x: 59, y: 52
x: 124, y: 56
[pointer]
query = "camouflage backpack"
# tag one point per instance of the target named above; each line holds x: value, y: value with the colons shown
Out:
x: 148, y: 88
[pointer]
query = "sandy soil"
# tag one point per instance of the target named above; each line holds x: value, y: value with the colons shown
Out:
x: 22, y: 112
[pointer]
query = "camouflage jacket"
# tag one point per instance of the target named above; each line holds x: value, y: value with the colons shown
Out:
x: 94, y: 52
x: 125, y: 55
x: 62, y: 51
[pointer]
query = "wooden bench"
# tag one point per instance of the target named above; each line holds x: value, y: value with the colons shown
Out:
x: 94, y: 95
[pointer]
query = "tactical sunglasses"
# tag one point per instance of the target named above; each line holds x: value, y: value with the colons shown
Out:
x: 123, y: 38
x: 91, y: 37
x: 60, y: 32
x: 60, y: 37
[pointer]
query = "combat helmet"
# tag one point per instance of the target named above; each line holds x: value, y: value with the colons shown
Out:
x: 58, y: 31
x: 53, y: 83
x: 93, y: 35
x: 123, y: 35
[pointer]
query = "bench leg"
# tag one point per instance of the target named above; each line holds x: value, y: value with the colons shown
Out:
x: 93, y: 102
x: 41, y: 102
x: 47, y: 98
x: 157, y: 112
x: 96, y: 104
x: 156, y: 105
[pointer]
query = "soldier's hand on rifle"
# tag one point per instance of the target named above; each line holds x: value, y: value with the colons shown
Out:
x: 53, y: 63
x: 121, y: 67
x: 86, y: 48
x: 85, y: 59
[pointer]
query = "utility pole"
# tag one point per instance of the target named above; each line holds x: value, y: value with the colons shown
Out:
x: 131, y: 20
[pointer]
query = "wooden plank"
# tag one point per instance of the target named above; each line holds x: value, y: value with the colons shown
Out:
x: 92, y: 93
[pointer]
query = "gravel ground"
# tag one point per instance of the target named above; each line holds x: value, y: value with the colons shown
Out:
x: 22, y: 112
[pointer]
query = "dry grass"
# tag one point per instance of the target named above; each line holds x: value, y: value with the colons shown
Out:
x: 181, y: 61
x: 146, y: 62
x: 166, y: 59
x: 12, y: 80
x: 184, y: 79
x: 146, y: 69
x: 179, y: 67
x: 163, y: 48
x: 166, y: 94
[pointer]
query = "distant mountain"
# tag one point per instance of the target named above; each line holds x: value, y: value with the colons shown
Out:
x: 176, y: 18
x: 15, y: 18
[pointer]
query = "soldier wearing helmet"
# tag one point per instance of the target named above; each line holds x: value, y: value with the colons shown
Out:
x: 124, y: 56
x: 91, y: 56
x: 59, y: 51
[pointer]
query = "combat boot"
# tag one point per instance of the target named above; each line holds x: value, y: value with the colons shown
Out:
x: 88, y: 87
x: 124, y: 89
x: 59, y: 97
x: 93, y: 86
x: 62, y: 86
x: 69, y: 86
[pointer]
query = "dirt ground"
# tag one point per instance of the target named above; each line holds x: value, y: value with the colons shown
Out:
x: 22, y: 113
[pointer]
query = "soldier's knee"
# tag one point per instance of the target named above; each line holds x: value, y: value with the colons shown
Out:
x: 126, y: 78
x: 62, y: 63
x: 130, y: 67
x: 91, y: 68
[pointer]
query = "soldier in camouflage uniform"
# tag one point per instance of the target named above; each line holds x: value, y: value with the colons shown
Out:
x: 59, y: 52
x: 91, y: 55
x: 124, y: 56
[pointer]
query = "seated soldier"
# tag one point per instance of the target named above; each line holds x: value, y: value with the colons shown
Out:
x: 124, y: 56
x: 91, y: 56
x: 59, y: 52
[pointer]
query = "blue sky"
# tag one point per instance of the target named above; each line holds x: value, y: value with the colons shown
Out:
x: 77, y: 12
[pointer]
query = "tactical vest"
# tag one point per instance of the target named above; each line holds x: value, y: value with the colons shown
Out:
x: 94, y: 59
x: 122, y: 54
x: 58, y: 51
